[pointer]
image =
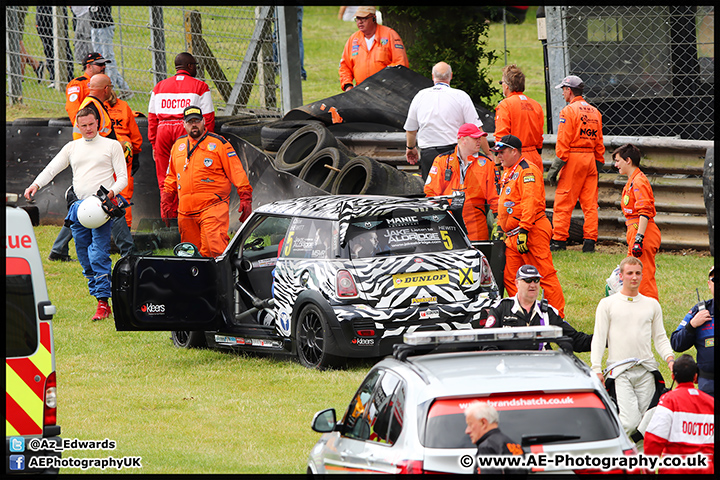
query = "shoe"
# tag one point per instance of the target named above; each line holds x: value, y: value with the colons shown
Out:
x: 556, y: 245
x: 103, y: 311
x: 51, y: 85
x: 57, y: 257
x: 125, y: 95
x: 39, y: 71
x: 588, y: 246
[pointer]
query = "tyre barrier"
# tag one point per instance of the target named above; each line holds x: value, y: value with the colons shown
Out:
x: 365, y: 176
x: 320, y: 170
x: 301, y: 145
x: 273, y: 135
x: 575, y: 234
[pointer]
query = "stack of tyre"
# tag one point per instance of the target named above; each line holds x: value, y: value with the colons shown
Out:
x: 308, y: 150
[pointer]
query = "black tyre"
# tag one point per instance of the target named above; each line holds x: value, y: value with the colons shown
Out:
x: 321, y: 169
x: 31, y: 122
x: 575, y: 234
x: 274, y: 134
x: 60, y: 122
x: 313, y: 336
x: 301, y: 146
x: 185, y: 339
x: 361, y: 176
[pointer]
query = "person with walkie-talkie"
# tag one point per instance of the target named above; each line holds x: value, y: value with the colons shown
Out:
x: 698, y: 329
x: 469, y: 176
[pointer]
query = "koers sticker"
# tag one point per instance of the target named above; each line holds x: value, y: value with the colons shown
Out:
x: 153, y: 309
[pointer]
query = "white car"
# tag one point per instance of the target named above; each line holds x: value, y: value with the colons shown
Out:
x: 408, y: 414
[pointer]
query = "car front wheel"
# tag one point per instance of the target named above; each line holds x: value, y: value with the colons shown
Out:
x: 186, y: 339
x: 312, y: 337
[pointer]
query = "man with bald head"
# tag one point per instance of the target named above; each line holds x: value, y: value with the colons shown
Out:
x: 99, y: 88
x: 165, y: 118
x: 435, y: 115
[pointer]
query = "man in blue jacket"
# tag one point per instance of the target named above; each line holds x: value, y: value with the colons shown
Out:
x: 698, y: 329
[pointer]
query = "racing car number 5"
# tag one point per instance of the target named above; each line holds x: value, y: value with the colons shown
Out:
x: 288, y: 244
x: 447, y: 241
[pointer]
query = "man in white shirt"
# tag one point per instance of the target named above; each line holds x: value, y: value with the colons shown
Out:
x: 629, y: 323
x: 95, y: 161
x: 435, y: 115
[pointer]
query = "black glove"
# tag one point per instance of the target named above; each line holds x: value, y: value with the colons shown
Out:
x: 554, y: 170
x: 522, y: 238
x: 135, y: 164
x: 637, y: 248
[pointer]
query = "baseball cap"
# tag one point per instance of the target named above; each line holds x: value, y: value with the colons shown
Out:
x: 572, y: 81
x: 508, y: 141
x: 192, y: 112
x: 528, y: 271
x: 470, y: 130
x: 364, y: 11
x: 95, y: 58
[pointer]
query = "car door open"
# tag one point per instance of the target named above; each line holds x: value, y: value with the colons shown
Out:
x: 167, y: 293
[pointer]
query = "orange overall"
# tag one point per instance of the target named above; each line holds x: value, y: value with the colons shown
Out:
x: 75, y: 93
x: 126, y: 128
x: 638, y: 200
x: 579, y: 145
x: 522, y: 205
x: 201, y: 173
x: 523, y: 117
x: 357, y: 62
x: 478, y: 183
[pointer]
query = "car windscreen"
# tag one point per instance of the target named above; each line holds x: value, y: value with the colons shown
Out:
x: 404, y: 232
x: 541, y: 418
x: 21, y: 331
x: 311, y: 238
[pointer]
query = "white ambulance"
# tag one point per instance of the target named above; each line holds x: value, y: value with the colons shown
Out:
x: 30, y: 384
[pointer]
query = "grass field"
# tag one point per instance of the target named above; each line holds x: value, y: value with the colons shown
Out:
x: 203, y: 411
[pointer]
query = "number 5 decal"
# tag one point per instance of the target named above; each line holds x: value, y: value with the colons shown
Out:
x: 288, y: 244
x: 447, y: 241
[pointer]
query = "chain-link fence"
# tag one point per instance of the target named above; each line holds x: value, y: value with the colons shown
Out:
x: 235, y: 47
x: 649, y: 69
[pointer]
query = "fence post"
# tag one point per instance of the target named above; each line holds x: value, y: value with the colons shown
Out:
x: 157, y: 36
x: 13, y: 53
x: 289, y: 50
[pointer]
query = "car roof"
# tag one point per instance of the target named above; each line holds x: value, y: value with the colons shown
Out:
x: 487, y: 372
x: 333, y: 207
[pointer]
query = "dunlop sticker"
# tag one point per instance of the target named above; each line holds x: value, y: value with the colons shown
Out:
x: 404, y: 280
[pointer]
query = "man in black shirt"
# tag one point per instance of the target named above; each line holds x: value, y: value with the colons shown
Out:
x: 524, y: 310
x: 482, y: 427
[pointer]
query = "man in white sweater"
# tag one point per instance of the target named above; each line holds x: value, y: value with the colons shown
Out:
x: 629, y: 323
x: 95, y: 161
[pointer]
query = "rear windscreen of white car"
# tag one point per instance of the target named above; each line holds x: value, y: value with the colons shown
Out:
x: 21, y: 331
x: 542, y: 418
x: 404, y: 233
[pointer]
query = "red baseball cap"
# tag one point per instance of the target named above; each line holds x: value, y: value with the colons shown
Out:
x: 470, y: 130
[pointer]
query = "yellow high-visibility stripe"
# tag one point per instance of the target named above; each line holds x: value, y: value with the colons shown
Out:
x: 24, y: 396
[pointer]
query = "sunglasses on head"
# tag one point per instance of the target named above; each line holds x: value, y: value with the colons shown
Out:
x: 531, y: 280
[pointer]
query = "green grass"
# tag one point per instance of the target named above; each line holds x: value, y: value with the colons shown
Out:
x: 206, y: 411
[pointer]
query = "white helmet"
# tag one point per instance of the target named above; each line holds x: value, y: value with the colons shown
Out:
x: 613, y: 283
x: 91, y: 213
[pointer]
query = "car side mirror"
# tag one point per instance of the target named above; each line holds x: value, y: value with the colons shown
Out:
x: 186, y: 249
x: 324, y: 421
